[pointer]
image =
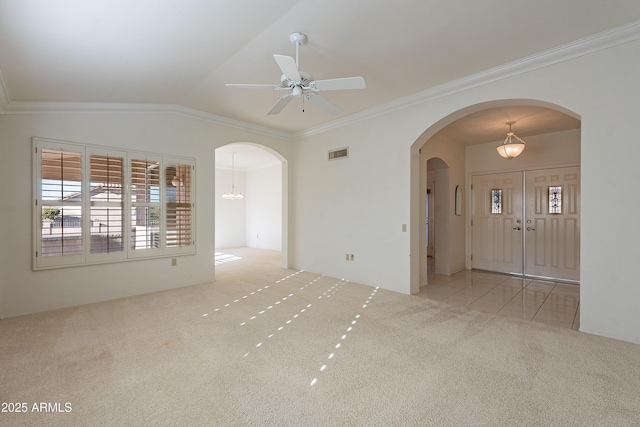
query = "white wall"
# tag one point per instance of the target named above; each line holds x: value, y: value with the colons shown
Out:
x: 256, y: 220
x: 358, y: 205
x: 355, y: 205
x: 24, y: 291
x: 264, y: 208
x: 542, y: 151
x: 230, y: 215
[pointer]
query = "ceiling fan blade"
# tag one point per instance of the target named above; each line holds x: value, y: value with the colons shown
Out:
x: 288, y: 66
x: 340, y: 84
x: 252, y: 86
x: 323, y: 103
x: 278, y: 106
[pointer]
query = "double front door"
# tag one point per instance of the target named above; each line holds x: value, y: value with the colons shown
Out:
x: 528, y: 223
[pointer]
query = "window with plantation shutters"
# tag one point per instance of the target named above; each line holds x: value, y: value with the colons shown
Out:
x: 95, y: 204
x: 178, y: 205
x: 59, y: 211
x: 106, y: 219
x: 145, y: 204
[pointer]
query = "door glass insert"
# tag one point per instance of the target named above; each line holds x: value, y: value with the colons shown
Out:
x: 496, y: 201
x: 555, y: 199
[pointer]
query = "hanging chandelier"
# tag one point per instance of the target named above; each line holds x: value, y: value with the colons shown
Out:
x: 512, y: 145
x: 233, y: 194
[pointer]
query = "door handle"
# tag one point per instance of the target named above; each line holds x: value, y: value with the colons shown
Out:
x: 530, y: 229
x: 517, y: 228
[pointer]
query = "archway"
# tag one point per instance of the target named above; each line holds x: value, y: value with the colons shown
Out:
x: 435, y: 142
x: 260, y: 219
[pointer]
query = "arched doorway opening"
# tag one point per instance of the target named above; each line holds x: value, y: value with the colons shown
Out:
x: 258, y: 220
x: 437, y: 216
x: 466, y: 140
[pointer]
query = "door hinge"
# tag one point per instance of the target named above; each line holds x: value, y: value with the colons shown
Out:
x: 471, y: 257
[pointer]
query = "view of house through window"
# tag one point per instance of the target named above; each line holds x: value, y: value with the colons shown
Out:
x: 87, y: 214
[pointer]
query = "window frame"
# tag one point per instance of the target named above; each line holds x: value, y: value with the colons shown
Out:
x: 85, y: 204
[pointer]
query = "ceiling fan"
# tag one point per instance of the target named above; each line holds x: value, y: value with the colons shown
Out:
x: 302, y: 84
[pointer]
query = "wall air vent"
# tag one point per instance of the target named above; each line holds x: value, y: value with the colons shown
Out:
x: 340, y: 153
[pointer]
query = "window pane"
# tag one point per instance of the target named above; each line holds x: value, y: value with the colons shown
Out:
x: 61, y: 210
x: 145, y: 181
x: 61, y: 175
x: 106, y: 229
x: 106, y: 178
x: 61, y: 231
x: 179, y: 205
x: 107, y: 175
x: 145, y: 227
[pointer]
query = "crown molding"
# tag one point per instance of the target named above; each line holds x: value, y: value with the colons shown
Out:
x: 89, y: 108
x: 597, y: 42
x: 578, y: 48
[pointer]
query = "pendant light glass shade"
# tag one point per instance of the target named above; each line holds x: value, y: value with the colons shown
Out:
x: 512, y: 145
x: 233, y: 194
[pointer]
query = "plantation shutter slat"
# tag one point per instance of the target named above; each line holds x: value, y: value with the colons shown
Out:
x: 179, y: 205
x: 61, y: 203
x: 107, y: 176
x: 145, y: 204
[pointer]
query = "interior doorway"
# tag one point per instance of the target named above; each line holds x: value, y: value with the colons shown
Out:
x: 528, y: 223
x: 259, y: 219
x: 430, y: 220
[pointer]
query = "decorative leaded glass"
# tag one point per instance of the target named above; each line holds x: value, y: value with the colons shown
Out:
x: 496, y: 201
x: 555, y: 200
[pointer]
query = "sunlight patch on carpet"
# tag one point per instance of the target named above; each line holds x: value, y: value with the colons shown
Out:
x: 344, y: 336
x: 221, y: 258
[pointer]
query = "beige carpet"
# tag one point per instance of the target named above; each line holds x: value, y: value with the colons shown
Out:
x: 267, y: 346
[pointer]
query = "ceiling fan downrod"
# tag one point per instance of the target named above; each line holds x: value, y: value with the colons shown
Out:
x: 298, y: 39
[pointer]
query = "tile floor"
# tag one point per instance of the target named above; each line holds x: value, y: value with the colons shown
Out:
x: 553, y: 303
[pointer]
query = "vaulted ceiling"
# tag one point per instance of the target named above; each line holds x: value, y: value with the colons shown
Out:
x: 178, y: 54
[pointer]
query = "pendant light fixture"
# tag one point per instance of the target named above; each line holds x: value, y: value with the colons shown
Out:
x: 234, y: 194
x: 510, y: 148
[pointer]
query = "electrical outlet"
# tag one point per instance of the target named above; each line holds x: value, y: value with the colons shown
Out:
x: 346, y: 257
x: 351, y: 256
x: 174, y: 262
x: 404, y: 228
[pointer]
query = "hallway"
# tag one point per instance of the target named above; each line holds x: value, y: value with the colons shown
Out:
x: 549, y: 302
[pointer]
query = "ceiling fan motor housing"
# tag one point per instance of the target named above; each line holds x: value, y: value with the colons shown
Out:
x: 306, y: 79
x: 297, y: 38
